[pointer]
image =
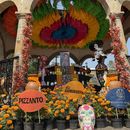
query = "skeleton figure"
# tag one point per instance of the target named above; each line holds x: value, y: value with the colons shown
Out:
x: 98, y: 51
x: 86, y: 117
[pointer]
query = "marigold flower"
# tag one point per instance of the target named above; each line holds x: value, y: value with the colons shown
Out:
x: 71, y: 113
x: 75, y: 100
x: 108, y: 102
x: 52, y: 92
x: 1, y: 126
x: 6, y: 115
x: 62, y: 110
x: 11, y: 127
x: 1, y: 119
x: 15, y: 108
x: 15, y: 103
x: 67, y: 117
x: 109, y: 109
x: 45, y: 106
x: 13, y: 114
x: 9, y: 112
x: 57, y: 111
x: 5, y: 107
x: 9, y: 122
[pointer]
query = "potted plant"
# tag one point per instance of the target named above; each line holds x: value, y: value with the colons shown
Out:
x: 101, y: 107
x: 39, y: 117
x: 73, y: 112
x: 60, y: 110
x: 18, y: 122
x: 28, y: 123
x: 49, y: 115
x: 116, y: 120
x: 127, y: 120
x: 7, y: 116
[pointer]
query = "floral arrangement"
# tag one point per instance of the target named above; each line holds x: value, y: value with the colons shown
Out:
x: 81, y: 23
x: 7, y: 115
x: 21, y: 71
x: 101, y: 106
x: 120, y: 62
x: 59, y: 106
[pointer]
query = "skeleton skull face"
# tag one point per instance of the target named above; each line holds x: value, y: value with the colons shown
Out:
x: 95, y: 46
x: 86, y: 117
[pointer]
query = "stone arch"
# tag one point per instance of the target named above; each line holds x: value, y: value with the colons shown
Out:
x: 6, y: 3
x: 84, y: 58
x: 126, y: 3
x: 2, y: 47
x: 34, y: 3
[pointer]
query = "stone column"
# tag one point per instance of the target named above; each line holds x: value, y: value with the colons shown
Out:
x: 122, y: 36
x: 19, y: 42
x: 20, y: 36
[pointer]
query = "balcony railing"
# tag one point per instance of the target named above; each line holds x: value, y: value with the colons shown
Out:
x: 6, y: 73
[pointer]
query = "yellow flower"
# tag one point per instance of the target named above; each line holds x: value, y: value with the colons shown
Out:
x: 75, y: 100
x: 9, y: 122
x: 15, y: 103
x: 13, y: 114
x: 71, y: 113
x: 1, y: 126
x: 11, y: 127
x: 15, y: 108
x: 109, y: 109
x: 51, y: 102
x: 0, y: 119
x: 6, y: 115
x: 108, y: 102
x: 5, y: 107
x: 16, y: 94
x: 62, y: 110
x: 67, y: 117
x: 3, y: 95
x: 9, y: 112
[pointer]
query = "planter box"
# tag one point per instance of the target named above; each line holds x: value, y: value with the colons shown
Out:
x: 116, y: 123
x: 101, y: 123
x: 127, y: 123
x: 61, y: 124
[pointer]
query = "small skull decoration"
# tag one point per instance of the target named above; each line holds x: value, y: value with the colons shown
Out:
x: 86, y: 117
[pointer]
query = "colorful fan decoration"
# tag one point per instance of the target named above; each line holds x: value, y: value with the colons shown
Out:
x: 75, y: 27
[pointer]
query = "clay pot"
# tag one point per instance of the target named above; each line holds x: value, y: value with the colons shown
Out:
x: 31, y: 86
x: 115, y: 84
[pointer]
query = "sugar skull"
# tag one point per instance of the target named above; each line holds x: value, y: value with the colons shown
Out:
x: 86, y: 117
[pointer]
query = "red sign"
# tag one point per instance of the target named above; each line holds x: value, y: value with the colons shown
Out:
x: 31, y: 100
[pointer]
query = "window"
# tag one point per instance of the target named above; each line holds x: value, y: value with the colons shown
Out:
x: 128, y: 46
x: 56, y: 60
x: 90, y: 63
x: 110, y: 62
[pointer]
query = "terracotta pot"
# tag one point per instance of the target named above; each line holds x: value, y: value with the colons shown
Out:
x: 31, y: 86
x: 115, y: 84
